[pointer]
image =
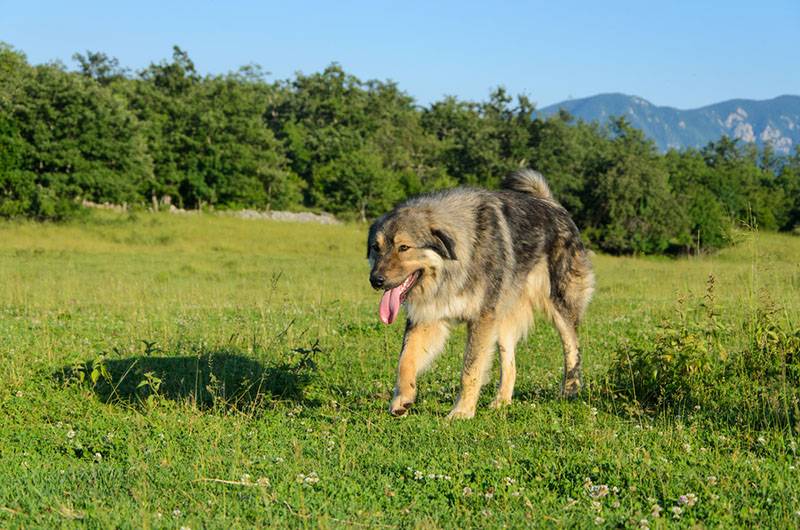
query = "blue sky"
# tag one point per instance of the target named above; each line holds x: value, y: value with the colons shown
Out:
x: 682, y: 54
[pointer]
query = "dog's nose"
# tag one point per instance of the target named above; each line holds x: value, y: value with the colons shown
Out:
x: 376, y: 281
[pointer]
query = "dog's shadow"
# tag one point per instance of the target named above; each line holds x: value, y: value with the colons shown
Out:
x: 211, y: 379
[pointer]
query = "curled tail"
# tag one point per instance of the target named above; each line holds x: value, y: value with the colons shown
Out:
x: 528, y: 181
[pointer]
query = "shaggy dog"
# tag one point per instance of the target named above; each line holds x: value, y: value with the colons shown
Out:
x: 487, y: 258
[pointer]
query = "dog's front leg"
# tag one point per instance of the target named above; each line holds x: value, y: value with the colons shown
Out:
x: 421, y: 344
x: 481, y: 340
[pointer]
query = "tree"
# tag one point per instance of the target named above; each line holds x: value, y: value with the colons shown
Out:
x: 630, y: 206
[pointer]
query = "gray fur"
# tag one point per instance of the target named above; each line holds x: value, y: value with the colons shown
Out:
x: 488, y: 258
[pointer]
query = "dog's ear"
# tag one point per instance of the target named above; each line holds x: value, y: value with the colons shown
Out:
x: 443, y: 244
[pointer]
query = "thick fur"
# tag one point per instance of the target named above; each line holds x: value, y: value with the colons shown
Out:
x: 490, y: 259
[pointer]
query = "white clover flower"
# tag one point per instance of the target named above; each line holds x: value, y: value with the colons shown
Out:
x: 655, y: 511
x: 596, y: 506
x: 711, y: 479
x: 176, y: 512
x: 599, y: 520
x: 676, y: 512
x: 690, y: 499
x: 418, y: 475
x: 599, y: 491
x: 510, y: 481
x: 70, y: 434
x: 467, y: 491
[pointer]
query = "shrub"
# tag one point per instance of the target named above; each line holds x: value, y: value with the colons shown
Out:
x: 688, y: 367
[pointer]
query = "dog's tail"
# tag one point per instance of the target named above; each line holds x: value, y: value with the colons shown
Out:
x: 528, y: 181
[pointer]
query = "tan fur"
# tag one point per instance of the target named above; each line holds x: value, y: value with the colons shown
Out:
x: 473, y: 269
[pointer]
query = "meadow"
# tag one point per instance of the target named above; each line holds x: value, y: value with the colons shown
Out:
x: 205, y: 371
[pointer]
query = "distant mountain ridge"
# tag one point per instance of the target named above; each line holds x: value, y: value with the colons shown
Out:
x: 775, y: 121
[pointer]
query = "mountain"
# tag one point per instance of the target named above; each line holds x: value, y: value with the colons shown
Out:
x: 774, y: 121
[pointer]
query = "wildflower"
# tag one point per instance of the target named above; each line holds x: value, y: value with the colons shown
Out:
x: 599, y: 491
x: 687, y: 448
x: 510, y: 481
x: 98, y: 457
x: 596, y: 506
x: 676, y: 512
x: 644, y: 523
x: 489, y: 493
x: 467, y: 491
x: 655, y: 511
x: 615, y: 504
x: 176, y: 512
x: 516, y: 494
x: 186, y: 528
x: 690, y: 499
x: 593, y: 411
x: 263, y: 481
x: 418, y: 475
x: 599, y: 520
x: 245, y: 479
x: 70, y: 434
x: 711, y: 479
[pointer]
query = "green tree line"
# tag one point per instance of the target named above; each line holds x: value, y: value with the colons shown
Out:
x: 330, y: 141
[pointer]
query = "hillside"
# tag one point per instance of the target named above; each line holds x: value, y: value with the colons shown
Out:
x: 774, y: 121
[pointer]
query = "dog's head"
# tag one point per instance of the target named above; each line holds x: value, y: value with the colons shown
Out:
x: 406, y: 254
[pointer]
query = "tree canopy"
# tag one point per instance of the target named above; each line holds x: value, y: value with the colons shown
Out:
x: 330, y: 141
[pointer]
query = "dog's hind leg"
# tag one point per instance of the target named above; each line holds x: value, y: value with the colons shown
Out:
x: 508, y: 371
x: 571, y: 383
x: 481, y: 340
x: 421, y: 344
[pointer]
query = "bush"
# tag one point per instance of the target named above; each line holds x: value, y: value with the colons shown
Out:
x: 687, y: 368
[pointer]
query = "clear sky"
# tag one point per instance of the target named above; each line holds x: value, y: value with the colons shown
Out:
x: 679, y: 53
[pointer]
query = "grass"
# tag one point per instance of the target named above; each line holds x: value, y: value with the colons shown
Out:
x: 211, y: 372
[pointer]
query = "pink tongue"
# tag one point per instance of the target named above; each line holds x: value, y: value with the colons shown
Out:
x: 390, y: 305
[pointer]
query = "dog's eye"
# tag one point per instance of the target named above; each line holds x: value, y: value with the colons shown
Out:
x: 403, y: 248
x: 376, y: 247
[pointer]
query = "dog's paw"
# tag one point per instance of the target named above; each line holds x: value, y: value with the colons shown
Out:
x: 460, y: 414
x: 499, y: 402
x: 570, y: 388
x: 399, y: 406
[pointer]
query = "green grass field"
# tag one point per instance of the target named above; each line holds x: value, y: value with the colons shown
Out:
x: 211, y: 372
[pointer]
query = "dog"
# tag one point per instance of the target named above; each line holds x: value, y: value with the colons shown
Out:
x: 487, y: 258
